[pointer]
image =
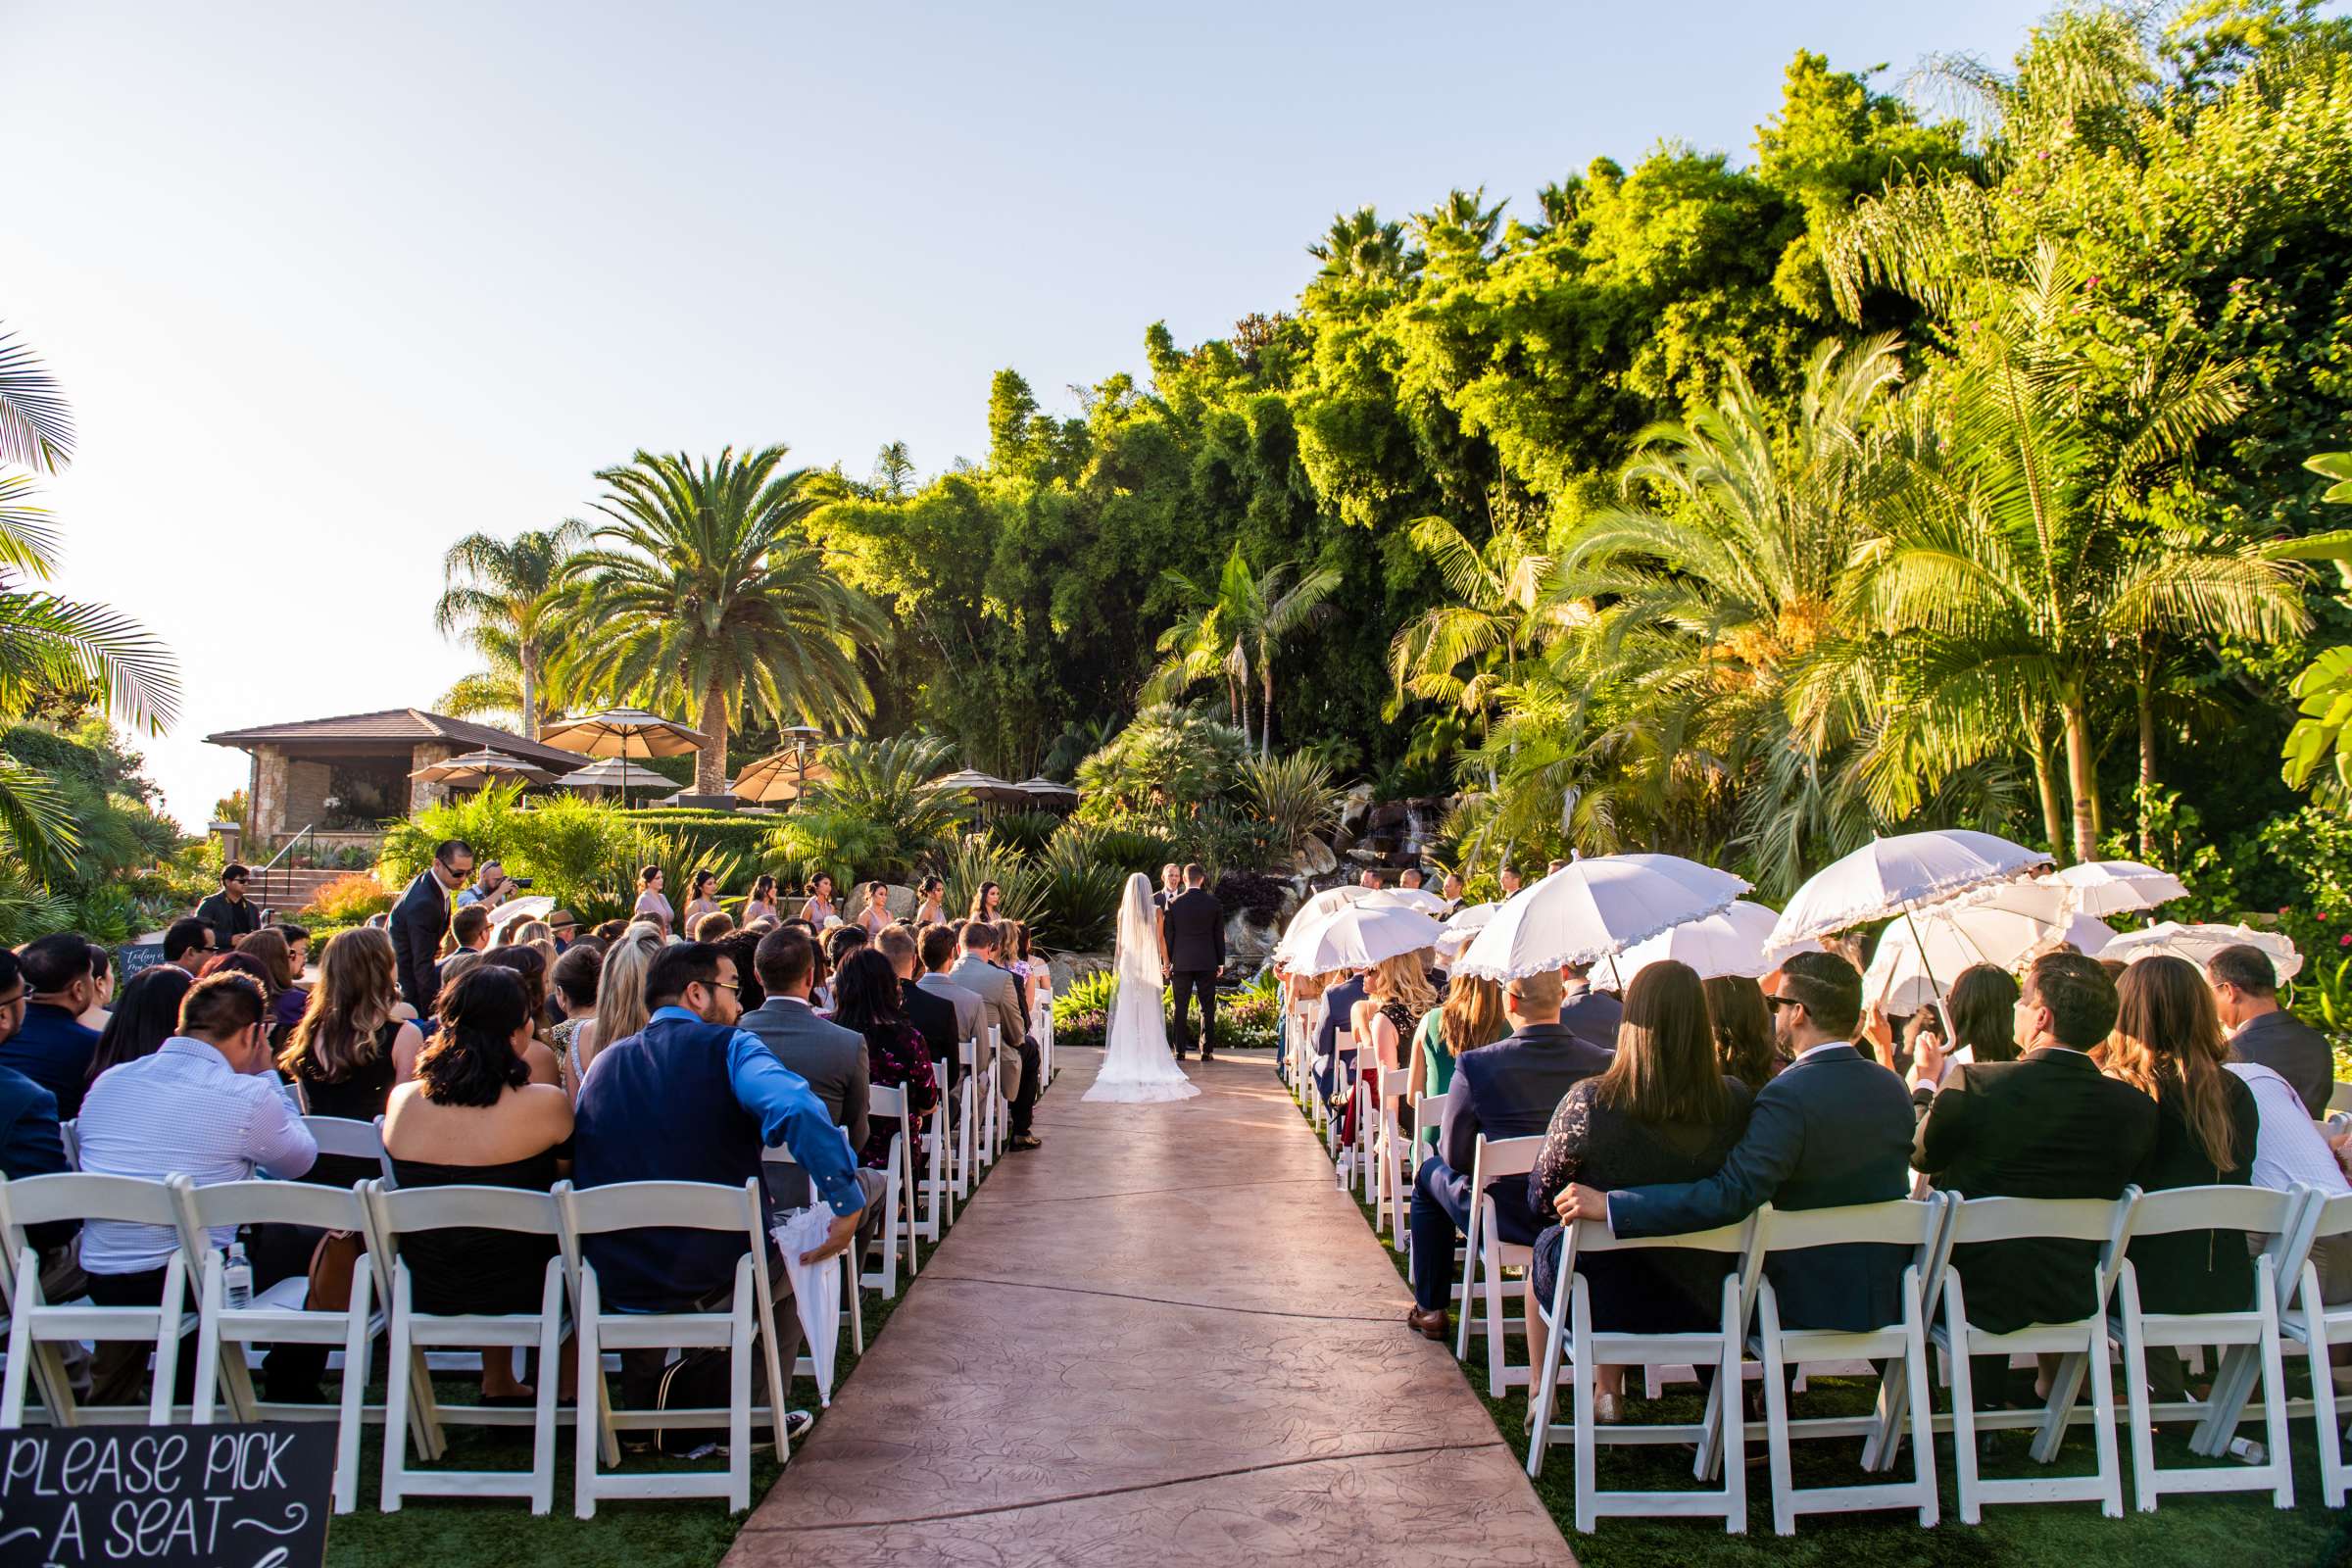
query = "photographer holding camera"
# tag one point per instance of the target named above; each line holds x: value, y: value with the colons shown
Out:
x: 491, y: 887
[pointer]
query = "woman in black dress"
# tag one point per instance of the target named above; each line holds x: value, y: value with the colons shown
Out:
x: 1662, y: 1112
x: 2168, y: 1042
x: 473, y: 1118
x: 350, y: 1047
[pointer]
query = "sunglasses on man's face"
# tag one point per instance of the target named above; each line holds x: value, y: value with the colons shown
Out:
x: 1776, y: 1003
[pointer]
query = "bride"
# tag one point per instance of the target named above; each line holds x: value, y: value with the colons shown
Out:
x: 1137, y: 1065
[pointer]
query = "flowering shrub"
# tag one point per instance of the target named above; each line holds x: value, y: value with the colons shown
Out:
x: 348, y: 901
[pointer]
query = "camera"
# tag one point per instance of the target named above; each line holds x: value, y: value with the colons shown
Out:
x: 520, y: 881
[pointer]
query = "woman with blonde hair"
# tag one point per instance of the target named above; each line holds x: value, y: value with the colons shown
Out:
x: 350, y: 1046
x: 1470, y: 1017
x: 2167, y: 1043
x: 1397, y: 996
x: 621, y: 1009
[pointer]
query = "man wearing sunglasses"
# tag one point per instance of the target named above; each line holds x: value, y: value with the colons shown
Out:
x: 1832, y: 1129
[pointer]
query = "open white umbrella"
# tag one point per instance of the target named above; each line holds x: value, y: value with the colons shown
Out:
x: 614, y: 773
x: 2199, y: 943
x: 2118, y: 887
x: 1898, y: 876
x: 1362, y: 933
x: 1919, y: 957
x: 1461, y: 926
x: 1591, y: 909
x: 537, y: 906
x: 1317, y: 905
x: 1420, y: 899
x: 1735, y: 942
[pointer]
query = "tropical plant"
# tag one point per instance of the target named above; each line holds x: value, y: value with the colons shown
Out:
x: 1077, y: 894
x: 1499, y: 606
x: 1165, y: 764
x: 499, y: 599
x: 1234, y: 629
x: 681, y: 851
x: 700, y: 584
x: 1020, y: 889
x: 1294, y: 795
x: 2322, y: 691
x: 836, y: 840
x: 1023, y: 832
x: 349, y: 900
x: 893, y: 785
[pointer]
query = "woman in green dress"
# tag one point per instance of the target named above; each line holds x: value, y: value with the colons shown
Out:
x: 1471, y: 1017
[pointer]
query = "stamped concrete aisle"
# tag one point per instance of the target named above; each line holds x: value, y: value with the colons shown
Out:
x: 1164, y: 1338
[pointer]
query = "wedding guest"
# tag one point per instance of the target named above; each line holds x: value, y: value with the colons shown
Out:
x: 711, y: 927
x: 978, y: 973
x: 572, y: 983
x: 1979, y: 1009
x: 1016, y: 959
x: 1663, y: 1111
x: 817, y: 909
x: 829, y: 1058
x: 2047, y: 1125
x: 621, y: 1009
x: 651, y: 904
x: 937, y: 948
x: 472, y: 1117
x: 1830, y: 1129
x: 298, y: 947
x: 1507, y: 1089
x: 204, y: 1105
x: 1470, y: 1017
x: 564, y: 927
x: 608, y: 931
x: 102, y: 990
x: 269, y: 948
x: 1397, y: 997
x: 2291, y: 1149
x: 761, y: 905
x: 1588, y: 1015
x: 52, y: 1047
x: 1450, y: 890
x: 1742, y: 1025
x: 1509, y: 880
x: 701, y: 898
x: 896, y: 1053
x: 187, y: 943
x: 469, y: 929
x: 2168, y: 1045
x: 30, y: 1143
x: 1340, y: 994
x: 146, y: 1014
x: 933, y: 1016
x: 539, y: 1059
x: 350, y: 1048
x: 877, y: 913
x: 421, y: 919
x: 229, y: 913
x: 693, y: 1098
x: 1372, y: 878
x: 930, y: 902
x: 1409, y: 877
x: 2245, y: 989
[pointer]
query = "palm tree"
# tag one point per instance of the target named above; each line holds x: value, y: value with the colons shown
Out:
x: 1500, y: 595
x: 2018, y: 581
x: 702, y: 583
x: 1359, y: 248
x: 1237, y: 627
x: 49, y: 644
x: 500, y: 598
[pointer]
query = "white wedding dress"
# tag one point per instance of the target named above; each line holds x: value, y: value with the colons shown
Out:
x: 1137, y: 1065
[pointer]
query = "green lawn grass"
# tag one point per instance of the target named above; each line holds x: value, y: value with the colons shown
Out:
x: 2205, y: 1530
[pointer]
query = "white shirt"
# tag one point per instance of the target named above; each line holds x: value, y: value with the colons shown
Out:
x: 1826, y: 1045
x: 183, y: 1112
x: 2287, y: 1146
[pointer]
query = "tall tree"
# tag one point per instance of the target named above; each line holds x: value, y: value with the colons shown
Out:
x: 702, y: 584
x: 1236, y: 629
x: 500, y: 598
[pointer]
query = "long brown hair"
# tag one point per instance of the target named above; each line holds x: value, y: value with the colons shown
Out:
x: 2167, y: 1043
x: 1665, y: 1066
x: 269, y: 945
x: 353, y: 999
x: 1472, y: 1016
x: 1742, y: 1027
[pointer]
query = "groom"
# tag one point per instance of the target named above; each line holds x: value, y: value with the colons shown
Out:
x: 1195, y: 929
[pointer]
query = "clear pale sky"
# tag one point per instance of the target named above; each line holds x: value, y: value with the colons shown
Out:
x: 330, y: 286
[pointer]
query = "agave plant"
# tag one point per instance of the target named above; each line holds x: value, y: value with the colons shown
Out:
x: 1020, y: 890
x: 1296, y: 795
x: 1078, y: 894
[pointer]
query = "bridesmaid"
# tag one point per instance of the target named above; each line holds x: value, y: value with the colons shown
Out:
x: 702, y: 900
x: 818, y: 909
x: 761, y: 905
x: 931, y: 902
x: 877, y: 913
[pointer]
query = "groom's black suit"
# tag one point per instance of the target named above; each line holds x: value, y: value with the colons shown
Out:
x: 1194, y: 928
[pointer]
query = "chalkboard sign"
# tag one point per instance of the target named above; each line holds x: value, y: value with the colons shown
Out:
x: 182, y: 1497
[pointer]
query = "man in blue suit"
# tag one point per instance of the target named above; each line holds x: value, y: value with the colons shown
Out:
x: 29, y: 1143
x: 1339, y: 1007
x: 1832, y: 1129
x: 1587, y: 1013
x: 1507, y: 1090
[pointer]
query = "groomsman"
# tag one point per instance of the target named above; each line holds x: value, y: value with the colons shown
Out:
x: 1193, y: 928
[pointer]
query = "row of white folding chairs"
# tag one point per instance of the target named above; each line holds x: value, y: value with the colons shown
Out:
x: 411, y: 1416
x: 1935, y: 1315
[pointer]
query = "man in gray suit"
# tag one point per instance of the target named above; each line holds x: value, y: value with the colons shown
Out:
x: 938, y: 950
x: 832, y: 1058
x: 978, y: 973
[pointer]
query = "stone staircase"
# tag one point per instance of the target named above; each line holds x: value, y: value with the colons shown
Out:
x: 288, y: 889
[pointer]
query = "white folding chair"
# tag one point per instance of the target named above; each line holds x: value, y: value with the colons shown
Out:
x: 1902, y: 1343
x: 740, y: 1327
x: 1000, y: 1108
x: 281, y: 1314
x: 2232, y: 1210
x: 1485, y: 1255
x: 934, y: 1157
x: 404, y: 1213
x: 2081, y: 1344
x: 2310, y: 1322
x: 1342, y: 1084
x: 897, y: 1196
x: 1583, y: 1349
x: 349, y: 1139
x: 1392, y: 1154
x: 36, y: 1326
x: 964, y: 1152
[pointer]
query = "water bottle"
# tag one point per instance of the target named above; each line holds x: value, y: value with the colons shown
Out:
x: 236, y: 1280
x: 2247, y: 1450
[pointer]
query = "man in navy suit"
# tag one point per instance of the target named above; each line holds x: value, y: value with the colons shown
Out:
x: 1507, y: 1090
x: 1587, y: 1013
x: 1834, y: 1128
x: 1339, y: 1005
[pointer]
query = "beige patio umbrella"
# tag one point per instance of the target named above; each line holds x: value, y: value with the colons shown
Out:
x: 484, y: 767
x: 615, y: 773
x: 986, y: 787
x: 1048, y: 793
x: 623, y: 732
x: 781, y: 777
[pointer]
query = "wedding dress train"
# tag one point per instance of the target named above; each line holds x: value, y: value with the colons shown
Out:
x: 1137, y: 1065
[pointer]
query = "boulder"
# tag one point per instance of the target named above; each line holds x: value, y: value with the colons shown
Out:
x: 1355, y: 810
x: 1246, y: 941
x: 1314, y: 859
